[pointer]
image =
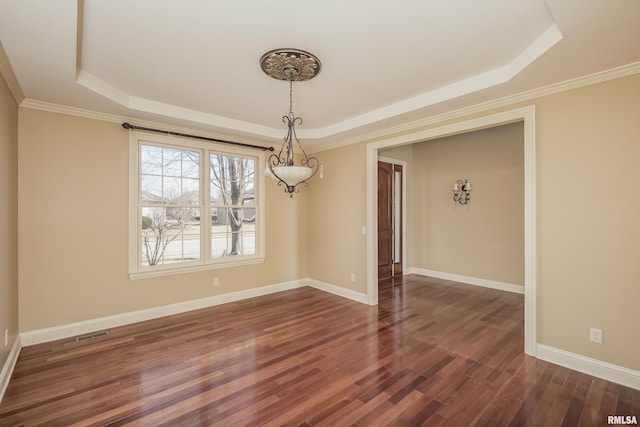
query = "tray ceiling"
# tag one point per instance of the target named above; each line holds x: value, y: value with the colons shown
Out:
x: 195, y: 63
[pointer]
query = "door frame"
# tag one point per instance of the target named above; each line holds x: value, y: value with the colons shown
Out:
x: 404, y: 207
x: 525, y: 115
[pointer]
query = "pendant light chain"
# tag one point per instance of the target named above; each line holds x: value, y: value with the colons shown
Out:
x: 290, y: 97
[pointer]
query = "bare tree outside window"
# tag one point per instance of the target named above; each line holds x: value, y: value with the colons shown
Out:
x: 162, y: 226
x: 233, y: 205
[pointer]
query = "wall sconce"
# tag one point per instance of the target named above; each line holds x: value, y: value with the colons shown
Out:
x: 462, y: 191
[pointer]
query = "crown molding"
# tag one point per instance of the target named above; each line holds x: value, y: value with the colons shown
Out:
x: 113, y: 118
x: 603, y: 76
x: 50, y: 107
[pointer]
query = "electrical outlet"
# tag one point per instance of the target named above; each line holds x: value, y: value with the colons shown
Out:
x: 353, y: 277
x: 216, y: 281
x: 595, y: 335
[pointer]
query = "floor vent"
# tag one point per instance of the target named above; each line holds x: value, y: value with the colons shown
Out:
x: 92, y: 336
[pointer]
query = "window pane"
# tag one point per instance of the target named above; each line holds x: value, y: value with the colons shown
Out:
x: 218, y: 244
x: 191, y: 164
x: 249, y: 239
x: 249, y: 215
x: 190, y: 191
x: 219, y: 231
x: 171, y: 189
x: 234, y: 192
x: 162, y: 179
x: 215, y: 166
x: 232, y: 180
x: 234, y: 243
x: 151, y: 189
x: 233, y: 232
x: 249, y: 197
x: 172, y: 161
x: 229, y: 168
x: 151, y: 160
x: 170, y: 235
x: 191, y: 238
x: 216, y: 194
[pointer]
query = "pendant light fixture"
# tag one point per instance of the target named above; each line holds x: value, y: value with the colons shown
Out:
x: 291, y: 65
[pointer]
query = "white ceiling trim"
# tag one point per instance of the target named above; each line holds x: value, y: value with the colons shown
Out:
x: 603, y: 76
x: 614, y: 73
x: 103, y: 88
x: 494, y: 77
x: 463, y: 87
x: 535, y: 50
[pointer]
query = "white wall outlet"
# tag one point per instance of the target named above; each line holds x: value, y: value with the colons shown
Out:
x: 6, y: 337
x: 364, y: 229
x: 353, y: 277
x: 595, y: 335
x: 216, y: 281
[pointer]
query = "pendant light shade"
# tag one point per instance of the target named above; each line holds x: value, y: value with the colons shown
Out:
x: 292, y: 175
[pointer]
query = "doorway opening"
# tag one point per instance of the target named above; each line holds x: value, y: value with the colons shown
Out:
x: 525, y: 115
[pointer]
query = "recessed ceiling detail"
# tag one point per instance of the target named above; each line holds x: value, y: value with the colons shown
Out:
x: 299, y: 65
x: 193, y: 63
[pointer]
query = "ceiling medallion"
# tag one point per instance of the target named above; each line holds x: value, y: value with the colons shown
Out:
x: 290, y: 64
x: 291, y: 166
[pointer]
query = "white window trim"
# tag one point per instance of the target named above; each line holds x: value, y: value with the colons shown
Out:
x: 136, y: 270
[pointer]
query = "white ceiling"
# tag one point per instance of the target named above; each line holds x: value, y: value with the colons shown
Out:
x: 194, y: 63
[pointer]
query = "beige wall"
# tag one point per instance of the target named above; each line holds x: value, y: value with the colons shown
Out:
x: 403, y: 153
x: 8, y: 217
x: 484, y: 239
x: 337, y: 247
x: 588, y: 146
x: 73, y: 175
x: 588, y: 274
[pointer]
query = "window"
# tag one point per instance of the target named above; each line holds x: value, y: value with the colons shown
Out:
x: 193, y: 206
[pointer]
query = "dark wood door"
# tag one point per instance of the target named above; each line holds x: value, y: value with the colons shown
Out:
x: 385, y: 220
x: 397, y: 219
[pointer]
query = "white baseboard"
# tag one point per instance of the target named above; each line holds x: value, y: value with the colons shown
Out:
x: 79, y: 328
x: 502, y: 286
x: 597, y: 368
x: 337, y: 290
x: 9, y: 364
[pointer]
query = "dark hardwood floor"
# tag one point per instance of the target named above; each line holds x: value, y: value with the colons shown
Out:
x: 432, y: 353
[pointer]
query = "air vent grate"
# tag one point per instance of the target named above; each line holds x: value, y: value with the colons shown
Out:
x: 92, y: 336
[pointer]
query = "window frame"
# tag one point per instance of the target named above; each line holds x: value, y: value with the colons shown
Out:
x: 139, y: 271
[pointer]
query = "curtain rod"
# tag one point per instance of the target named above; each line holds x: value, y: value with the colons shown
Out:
x: 168, y: 132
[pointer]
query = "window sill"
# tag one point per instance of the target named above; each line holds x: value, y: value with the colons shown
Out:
x: 171, y: 271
